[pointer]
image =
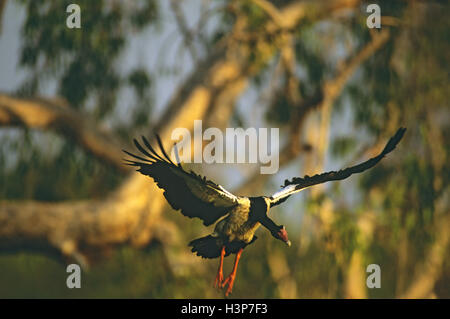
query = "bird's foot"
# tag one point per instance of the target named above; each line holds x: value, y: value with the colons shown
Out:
x: 230, y: 282
x: 219, y: 279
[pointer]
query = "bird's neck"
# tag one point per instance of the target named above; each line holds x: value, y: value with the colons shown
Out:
x: 259, y: 207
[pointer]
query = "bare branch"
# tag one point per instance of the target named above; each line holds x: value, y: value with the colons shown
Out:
x: 187, y: 34
x: 332, y: 89
x: 271, y: 10
x: 54, y: 115
x: 77, y: 228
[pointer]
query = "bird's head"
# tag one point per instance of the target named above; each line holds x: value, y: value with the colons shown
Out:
x: 282, y: 235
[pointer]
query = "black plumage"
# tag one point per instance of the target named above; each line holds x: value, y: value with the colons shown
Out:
x: 238, y: 217
x: 193, y: 195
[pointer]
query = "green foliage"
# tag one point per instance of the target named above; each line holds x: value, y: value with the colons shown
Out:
x: 342, y: 146
x: 75, y: 176
x: 281, y: 110
x: 82, y: 61
x: 84, y: 64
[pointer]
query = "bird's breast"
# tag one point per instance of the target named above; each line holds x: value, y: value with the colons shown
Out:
x: 238, y: 225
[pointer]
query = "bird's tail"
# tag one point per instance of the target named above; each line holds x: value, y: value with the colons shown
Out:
x: 206, y: 247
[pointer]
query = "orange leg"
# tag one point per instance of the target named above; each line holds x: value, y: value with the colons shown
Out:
x: 219, y: 277
x: 230, y: 279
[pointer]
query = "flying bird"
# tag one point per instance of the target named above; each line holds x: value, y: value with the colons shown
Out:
x: 238, y: 216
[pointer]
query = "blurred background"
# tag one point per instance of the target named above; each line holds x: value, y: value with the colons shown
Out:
x: 70, y: 99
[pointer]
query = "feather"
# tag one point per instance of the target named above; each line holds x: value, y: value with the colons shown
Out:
x: 193, y: 194
x: 298, y: 183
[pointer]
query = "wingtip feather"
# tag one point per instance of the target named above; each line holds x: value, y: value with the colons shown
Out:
x: 158, y: 139
x: 394, y: 140
x: 151, y: 149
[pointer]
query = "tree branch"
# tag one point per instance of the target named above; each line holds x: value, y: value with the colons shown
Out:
x: 187, y: 34
x: 75, y: 228
x: 323, y: 99
x: 55, y: 115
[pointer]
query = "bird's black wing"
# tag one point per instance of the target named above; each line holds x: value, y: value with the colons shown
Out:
x: 194, y: 195
x: 298, y: 183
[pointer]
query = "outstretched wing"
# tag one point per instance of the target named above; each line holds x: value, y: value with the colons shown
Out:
x: 194, y: 195
x: 297, y: 183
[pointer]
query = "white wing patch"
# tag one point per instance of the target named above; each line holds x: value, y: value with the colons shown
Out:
x: 284, y: 192
x: 216, y: 195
